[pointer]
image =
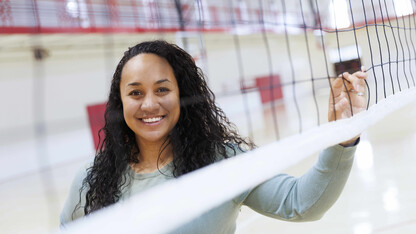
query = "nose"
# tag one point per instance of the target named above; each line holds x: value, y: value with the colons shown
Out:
x: 150, y: 104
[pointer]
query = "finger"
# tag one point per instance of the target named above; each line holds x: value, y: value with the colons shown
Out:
x: 341, y: 104
x: 359, y: 83
x: 357, y: 80
x: 361, y: 74
x: 342, y: 108
x: 339, y: 85
x: 363, y: 69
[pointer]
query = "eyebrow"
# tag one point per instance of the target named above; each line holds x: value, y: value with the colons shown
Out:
x: 161, y: 81
x: 138, y: 83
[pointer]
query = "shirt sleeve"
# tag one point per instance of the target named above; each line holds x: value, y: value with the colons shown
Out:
x: 74, y: 204
x: 308, y: 197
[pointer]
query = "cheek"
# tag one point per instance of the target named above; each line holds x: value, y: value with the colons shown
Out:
x: 173, y: 105
x: 128, y: 110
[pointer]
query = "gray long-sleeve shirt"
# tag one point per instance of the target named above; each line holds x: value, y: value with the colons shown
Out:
x: 283, y: 197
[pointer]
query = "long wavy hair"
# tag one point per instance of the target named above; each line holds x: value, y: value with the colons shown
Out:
x: 201, y: 134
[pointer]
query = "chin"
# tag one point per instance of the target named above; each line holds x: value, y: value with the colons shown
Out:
x: 152, y: 138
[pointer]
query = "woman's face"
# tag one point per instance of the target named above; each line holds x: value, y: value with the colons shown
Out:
x: 150, y: 97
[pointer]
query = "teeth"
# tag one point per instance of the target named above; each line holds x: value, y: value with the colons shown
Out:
x: 151, y: 120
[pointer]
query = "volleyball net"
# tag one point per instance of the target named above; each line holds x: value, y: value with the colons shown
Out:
x: 331, y: 40
x: 181, y: 200
x: 300, y: 45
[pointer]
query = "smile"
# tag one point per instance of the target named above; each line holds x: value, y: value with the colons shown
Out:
x: 153, y: 119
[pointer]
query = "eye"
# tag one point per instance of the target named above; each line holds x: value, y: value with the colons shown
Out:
x: 162, y: 90
x: 135, y: 93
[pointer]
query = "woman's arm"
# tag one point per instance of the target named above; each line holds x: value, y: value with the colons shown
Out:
x: 311, y: 195
x: 308, y: 197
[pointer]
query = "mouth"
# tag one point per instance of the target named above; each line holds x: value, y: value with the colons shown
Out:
x: 152, y: 120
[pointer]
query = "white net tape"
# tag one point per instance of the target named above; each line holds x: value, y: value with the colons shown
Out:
x: 167, y: 206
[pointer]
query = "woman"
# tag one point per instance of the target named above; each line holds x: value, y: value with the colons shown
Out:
x: 161, y: 122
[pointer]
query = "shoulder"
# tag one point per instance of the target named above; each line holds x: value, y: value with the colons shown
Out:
x: 83, y: 170
x: 234, y: 149
x: 75, y: 201
x: 230, y: 150
x: 82, y: 173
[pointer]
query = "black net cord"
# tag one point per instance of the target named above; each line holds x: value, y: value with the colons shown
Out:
x: 387, y: 46
x: 401, y: 45
x: 325, y: 56
x: 309, y: 61
x: 292, y: 69
x: 408, y: 49
x: 340, y: 60
x: 241, y: 74
x: 270, y: 66
x: 379, y: 48
x: 395, y: 44
x: 358, y: 52
x: 371, y: 51
x: 411, y: 29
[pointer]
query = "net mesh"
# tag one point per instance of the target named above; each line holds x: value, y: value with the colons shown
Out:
x: 377, y: 35
x: 199, y: 189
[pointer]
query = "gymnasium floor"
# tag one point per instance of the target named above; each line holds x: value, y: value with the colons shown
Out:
x: 380, y: 196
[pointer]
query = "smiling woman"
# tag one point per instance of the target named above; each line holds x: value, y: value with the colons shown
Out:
x: 161, y: 122
x: 160, y: 118
x: 151, y: 107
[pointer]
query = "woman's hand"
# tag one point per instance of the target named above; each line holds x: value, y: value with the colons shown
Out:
x: 355, y: 87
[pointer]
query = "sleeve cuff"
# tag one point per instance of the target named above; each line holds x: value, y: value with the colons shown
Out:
x: 352, y: 144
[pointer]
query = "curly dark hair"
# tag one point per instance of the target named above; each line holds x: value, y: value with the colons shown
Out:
x: 202, y: 133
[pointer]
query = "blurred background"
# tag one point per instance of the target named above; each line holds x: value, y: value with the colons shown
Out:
x: 268, y: 63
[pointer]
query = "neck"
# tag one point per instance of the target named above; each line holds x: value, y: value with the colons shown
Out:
x: 151, y: 156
